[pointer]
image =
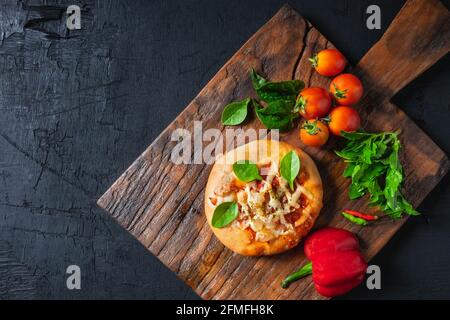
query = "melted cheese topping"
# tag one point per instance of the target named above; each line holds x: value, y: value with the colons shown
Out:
x: 263, y: 207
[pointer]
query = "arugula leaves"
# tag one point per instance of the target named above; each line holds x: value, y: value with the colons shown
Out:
x: 235, y: 112
x: 246, y: 171
x: 374, y: 167
x: 224, y: 214
x: 280, y: 98
x: 290, y: 167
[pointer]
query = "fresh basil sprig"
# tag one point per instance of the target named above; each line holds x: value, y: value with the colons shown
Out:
x: 290, y: 167
x: 374, y: 167
x: 224, y: 214
x: 277, y: 115
x: 275, y: 91
x: 280, y: 97
x: 246, y: 171
x: 235, y: 112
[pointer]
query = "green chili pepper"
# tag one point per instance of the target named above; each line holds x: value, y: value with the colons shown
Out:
x: 304, y: 271
x: 354, y: 219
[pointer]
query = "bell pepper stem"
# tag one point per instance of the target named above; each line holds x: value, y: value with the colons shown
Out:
x: 304, y: 271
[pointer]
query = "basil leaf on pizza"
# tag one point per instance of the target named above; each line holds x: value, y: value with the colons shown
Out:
x: 246, y: 171
x: 290, y: 167
x: 224, y: 214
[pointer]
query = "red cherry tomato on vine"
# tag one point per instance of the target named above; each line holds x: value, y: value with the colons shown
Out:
x: 314, y: 133
x: 344, y: 118
x: 346, y: 89
x: 313, y: 103
x: 328, y: 62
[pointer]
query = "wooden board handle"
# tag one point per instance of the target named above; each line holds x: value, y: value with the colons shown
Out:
x: 417, y: 38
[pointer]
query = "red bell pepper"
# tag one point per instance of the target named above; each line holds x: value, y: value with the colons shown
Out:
x: 338, y: 290
x: 330, y: 240
x: 337, y: 264
x: 347, y: 265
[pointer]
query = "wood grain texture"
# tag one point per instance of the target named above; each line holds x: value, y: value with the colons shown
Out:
x: 161, y: 204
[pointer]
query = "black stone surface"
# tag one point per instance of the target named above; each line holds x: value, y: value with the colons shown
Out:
x: 77, y: 107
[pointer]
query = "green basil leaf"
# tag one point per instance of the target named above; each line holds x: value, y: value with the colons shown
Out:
x: 394, y: 206
x: 276, y: 108
x: 408, y: 208
x: 277, y: 115
x: 367, y: 152
x: 393, y: 158
x: 290, y: 167
x: 356, y: 191
x: 224, y: 214
x: 246, y: 171
x: 359, y: 172
x: 274, y: 91
x: 235, y: 112
x: 357, y: 135
x: 284, y: 91
x: 372, y: 172
x: 351, y: 152
x: 375, y: 192
x: 349, y: 170
x: 393, y: 180
x: 354, y: 219
x: 257, y: 80
x: 380, y: 150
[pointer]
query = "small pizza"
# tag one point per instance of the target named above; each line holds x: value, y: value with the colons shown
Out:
x: 263, y: 197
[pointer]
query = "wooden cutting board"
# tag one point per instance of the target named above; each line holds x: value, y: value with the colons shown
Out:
x: 161, y: 203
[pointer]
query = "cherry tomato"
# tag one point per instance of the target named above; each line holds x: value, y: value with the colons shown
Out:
x: 314, y: 133
x: 313, y: 102
x: 347, y: 89
x: 328, y: 62
x: 343, y: 118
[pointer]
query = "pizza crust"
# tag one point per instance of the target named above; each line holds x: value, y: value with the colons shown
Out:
x: 261, y: 151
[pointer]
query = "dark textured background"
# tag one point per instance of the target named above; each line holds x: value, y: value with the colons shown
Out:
x: 76, y: 108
